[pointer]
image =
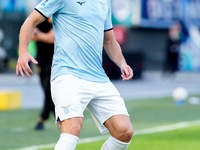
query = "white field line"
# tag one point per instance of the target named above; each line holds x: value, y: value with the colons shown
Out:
x: 137, y: 132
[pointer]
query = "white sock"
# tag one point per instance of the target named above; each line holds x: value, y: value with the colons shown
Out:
x: 114, y: 144
x: 66, y: 142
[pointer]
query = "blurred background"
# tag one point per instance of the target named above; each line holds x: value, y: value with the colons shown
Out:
x: 160, y: 40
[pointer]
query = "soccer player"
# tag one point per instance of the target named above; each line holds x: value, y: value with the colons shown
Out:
x: 82, y: 28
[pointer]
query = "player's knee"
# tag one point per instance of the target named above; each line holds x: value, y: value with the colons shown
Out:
x: 128, y: 132
x: 125, y: 133
x: 73, y: 128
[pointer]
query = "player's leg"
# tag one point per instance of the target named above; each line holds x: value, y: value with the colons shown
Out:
x: 110, y: 114
x: 121, y: 131
x: 72, y: 126
x: 70, y: 98
x: 70, y: 132
x: 120, y: 127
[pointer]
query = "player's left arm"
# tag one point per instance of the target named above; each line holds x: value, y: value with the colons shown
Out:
x: 114, y: 52
x: 39, y: 36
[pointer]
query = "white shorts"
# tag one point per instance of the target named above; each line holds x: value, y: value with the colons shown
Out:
x: 71, y: 96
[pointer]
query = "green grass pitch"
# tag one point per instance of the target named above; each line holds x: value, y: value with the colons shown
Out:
x: 181, y: 139
x: 16, y: 127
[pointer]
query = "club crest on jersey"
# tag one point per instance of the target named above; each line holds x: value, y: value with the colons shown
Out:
x: 103, y: 5
x: 66, y: 110
x: 45, y: 2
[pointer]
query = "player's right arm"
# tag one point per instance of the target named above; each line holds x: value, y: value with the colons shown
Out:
x: 25, y: 35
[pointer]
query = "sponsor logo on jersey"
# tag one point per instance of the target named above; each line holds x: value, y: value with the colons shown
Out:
x: 45, y: 2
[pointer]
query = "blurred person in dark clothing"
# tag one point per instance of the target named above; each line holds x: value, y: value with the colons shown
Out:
x: 44, y: 37
x: 175, y: 36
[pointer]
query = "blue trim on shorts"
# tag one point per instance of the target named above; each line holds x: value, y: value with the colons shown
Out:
x: 58, y: 119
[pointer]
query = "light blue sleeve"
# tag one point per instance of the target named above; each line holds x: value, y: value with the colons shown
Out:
x: 108, y: 23
x: 49, y: 7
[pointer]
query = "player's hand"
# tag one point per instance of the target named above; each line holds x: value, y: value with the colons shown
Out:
x: 22, y: 64
x: 127, y: 72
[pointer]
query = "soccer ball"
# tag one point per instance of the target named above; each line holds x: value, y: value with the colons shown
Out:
x: 180, y: 94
